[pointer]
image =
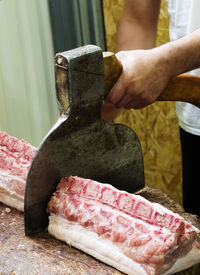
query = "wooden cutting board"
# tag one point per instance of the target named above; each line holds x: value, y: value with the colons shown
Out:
x: 42, y: 254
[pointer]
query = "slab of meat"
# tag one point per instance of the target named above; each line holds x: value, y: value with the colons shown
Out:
x: 123, y: 230
x: 15, y: 159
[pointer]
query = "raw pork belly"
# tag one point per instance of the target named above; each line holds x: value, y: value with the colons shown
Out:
x: 123, y: 230
x: 15, y: 159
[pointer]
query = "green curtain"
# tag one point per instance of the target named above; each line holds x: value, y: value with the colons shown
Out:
x: 76, y: 23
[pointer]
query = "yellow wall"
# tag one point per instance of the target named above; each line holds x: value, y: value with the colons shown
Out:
x: 155, y: 125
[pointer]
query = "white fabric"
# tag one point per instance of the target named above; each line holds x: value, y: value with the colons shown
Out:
x: 185, y: 18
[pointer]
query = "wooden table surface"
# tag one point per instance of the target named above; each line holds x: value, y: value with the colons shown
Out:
x: 41, y: 254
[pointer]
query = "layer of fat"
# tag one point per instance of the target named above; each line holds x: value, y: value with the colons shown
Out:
x: 89, y: 242
x: 192, y: 258
x: 7, y: 196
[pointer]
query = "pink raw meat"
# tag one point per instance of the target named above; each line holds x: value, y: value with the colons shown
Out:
x: 15, y: 159
x: 120, y: 229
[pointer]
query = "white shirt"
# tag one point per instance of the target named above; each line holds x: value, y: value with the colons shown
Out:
x: 185, y: 18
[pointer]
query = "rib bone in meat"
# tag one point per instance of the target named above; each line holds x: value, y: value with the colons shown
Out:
x: 121, y: 229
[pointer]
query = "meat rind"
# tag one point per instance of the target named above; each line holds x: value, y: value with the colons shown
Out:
x: 86, y: 240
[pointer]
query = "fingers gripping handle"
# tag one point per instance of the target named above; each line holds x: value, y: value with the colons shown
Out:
x: 184, y: 87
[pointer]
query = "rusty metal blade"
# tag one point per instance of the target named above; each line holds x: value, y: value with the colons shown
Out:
x: 81, y: 143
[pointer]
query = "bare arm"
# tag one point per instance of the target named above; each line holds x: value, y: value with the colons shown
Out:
x: 138, y: 25
x: 137, y: 30
x: 183, y: 54
x: 147, y: 72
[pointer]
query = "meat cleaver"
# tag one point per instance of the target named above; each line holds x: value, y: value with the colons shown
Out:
x: 81, y: 143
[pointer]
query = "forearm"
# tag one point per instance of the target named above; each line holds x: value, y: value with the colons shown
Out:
x: 135, y: 37
x: 138, y: 25
x: 146, y: 73
x: 182, y: 55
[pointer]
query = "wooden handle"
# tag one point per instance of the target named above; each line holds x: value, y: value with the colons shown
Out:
x: 184, y: 87
x: 112, y: 70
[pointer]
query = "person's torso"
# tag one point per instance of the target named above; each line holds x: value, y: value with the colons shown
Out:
x: 184, y: 18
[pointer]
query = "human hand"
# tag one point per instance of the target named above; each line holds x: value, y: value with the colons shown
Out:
x: 109, y: 111
x: 145, y: 75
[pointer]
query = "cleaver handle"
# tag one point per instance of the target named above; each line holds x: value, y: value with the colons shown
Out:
x: 183, y: 87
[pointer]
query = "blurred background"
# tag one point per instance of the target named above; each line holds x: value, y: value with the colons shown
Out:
x: 31, y: 33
